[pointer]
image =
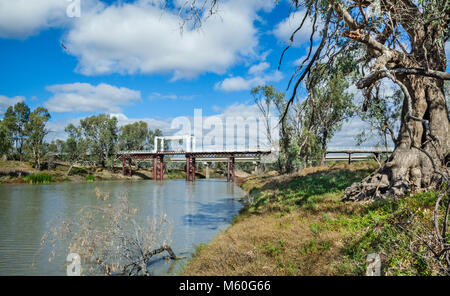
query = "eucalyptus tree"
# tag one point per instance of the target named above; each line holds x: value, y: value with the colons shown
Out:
x: 75, y: 148
x: 403, y: 41
x: 5, y: 139
x: 36, y: 131
x: 329, y: 103
x: 267, y: 97
x: 382, y: 113
x: 133, y: 136
x: 101, y: 132
x: 15, y: 119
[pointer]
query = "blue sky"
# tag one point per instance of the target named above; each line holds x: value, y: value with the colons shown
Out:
x: 129, y: 58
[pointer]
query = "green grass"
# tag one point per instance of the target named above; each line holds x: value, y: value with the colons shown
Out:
x: 306, y: 191
x: 198, y: 249
x: 40, y: 178
x: 90, y: 178
x: 382, y: 226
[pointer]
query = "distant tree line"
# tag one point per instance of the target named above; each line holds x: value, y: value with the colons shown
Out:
x: 95, y: 139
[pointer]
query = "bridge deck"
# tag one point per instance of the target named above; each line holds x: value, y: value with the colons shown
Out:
x: 190, y: 157
x: 196, y: 154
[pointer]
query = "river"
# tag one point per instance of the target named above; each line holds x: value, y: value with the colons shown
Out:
x: 197, y: 212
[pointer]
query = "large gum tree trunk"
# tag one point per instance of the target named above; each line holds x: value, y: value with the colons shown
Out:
x: 410, y: 169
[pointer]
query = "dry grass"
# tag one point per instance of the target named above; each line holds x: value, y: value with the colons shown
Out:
x: 271, y: 245
x: 298, y: 225
x: 277, y: 239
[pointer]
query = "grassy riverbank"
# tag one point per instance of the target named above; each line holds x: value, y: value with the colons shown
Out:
x: 297, y: 225
x: 16, y: 172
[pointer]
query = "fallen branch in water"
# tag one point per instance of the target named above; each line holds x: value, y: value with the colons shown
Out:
x: 112, y: 238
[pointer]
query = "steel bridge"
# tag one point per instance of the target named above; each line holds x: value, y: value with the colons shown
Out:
x: 231, y: 157
x: 358, y: 153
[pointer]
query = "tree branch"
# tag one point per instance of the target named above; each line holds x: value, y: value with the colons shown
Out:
x: 377, y: 75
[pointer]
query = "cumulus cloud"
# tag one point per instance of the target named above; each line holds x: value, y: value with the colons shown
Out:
x: 256, y: 76
x: 22, y: 18
x: 5, y: 102
x: 141, y: 37
x: 259, y: 68
x: 152, y: 123
x: 285, y: 28
x: 84, y: 97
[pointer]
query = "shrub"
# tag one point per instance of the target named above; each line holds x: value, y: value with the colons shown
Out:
x: 90, y: 178
x: 43, y: 178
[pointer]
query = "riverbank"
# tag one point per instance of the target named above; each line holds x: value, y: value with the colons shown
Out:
x: 297, y: 225
x: 16, y: 172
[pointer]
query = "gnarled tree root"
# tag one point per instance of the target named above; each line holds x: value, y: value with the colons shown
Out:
x: 406, y: 172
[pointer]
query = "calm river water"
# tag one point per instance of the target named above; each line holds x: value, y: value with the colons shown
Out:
x: 197, y: 212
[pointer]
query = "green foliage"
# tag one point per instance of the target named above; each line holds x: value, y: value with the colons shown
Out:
x: 43, y: 178
x: 35, y: 131
x: 328, y: 104
x: 5, y: 139
x: 198, y: 249
x: 15, y: 119
x: 101, y: 132
x: 313, y: 247
x: 382, y: 113
x: 134, y: 136
x: 384, y: 232
x: 89, y: 178
x: 274, y: 249
x: 75, y: 147
x: 307, y: 191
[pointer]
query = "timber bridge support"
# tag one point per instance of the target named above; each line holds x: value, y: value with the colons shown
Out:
x: 190, y: 158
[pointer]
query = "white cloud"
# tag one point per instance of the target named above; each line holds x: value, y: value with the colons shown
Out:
x: 285, y: 28
x: 5, y: 102
x: 156, y: 95
x: 259, y: 68
x: 84, y: 97
x: 239, y: 83
x: 141, y: 37
x: 152, y: 123
x: 22, y: 18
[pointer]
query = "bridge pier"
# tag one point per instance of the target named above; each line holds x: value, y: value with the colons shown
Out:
x: 129, y: 167
x: 161, y: 167
x: 230, y: 169
x: 191, y: 158
x: 207, y: 170
x: 188, y: 169
x: 155, y: 167
x: 158, y: 167
x: 193, y: 169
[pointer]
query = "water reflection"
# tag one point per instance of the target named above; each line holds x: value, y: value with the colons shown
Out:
x: 197, y: 212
